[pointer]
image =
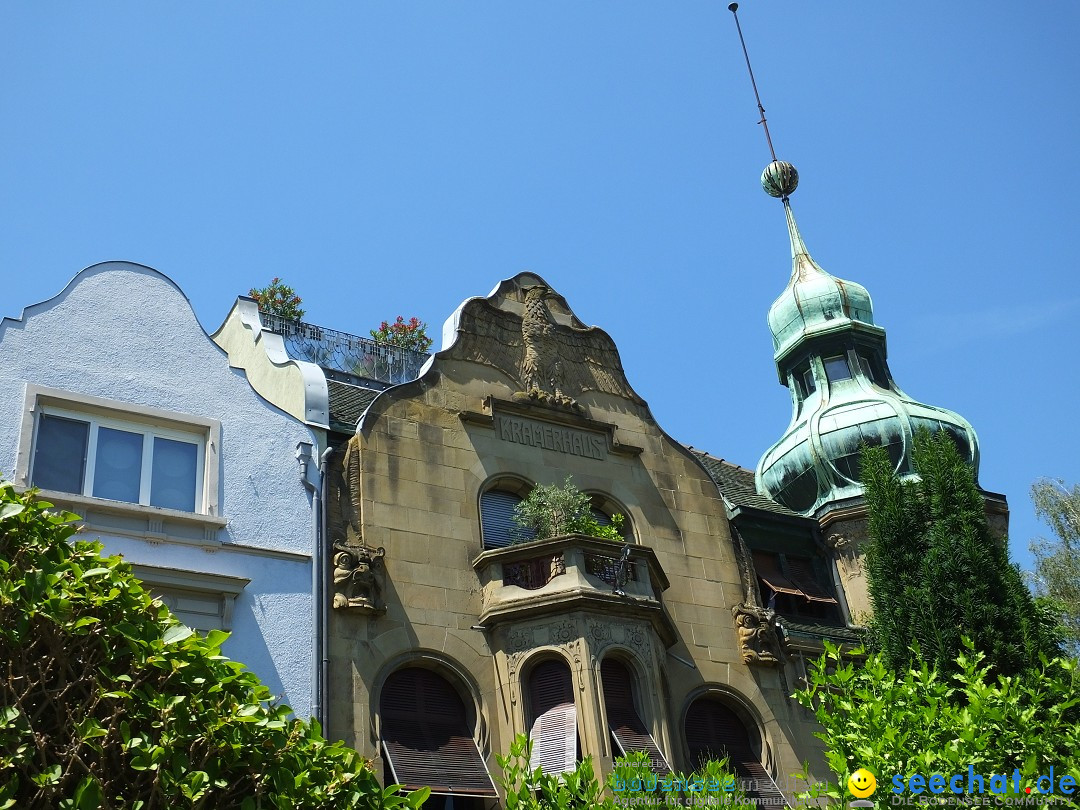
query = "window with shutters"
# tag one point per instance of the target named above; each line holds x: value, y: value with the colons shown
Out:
x: 552, y: 717
x: 792, y: 586
x: 497, y: 524
x: 628, y: 731
x: 427, y: 738
x: 714, y: 730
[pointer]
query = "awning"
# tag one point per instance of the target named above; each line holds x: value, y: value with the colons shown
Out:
x: 801, y: 581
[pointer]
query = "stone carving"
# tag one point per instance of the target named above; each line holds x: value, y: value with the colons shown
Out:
x: 521, y: 639
x: 356, y: 580
x: 758, y: 642
x: 600, y: 634
x: 635, y: 636
x: 848, y: 555
x: 551, y: 362
x: 352, y: 472
x: 751, y: 592
x: 563, y: 633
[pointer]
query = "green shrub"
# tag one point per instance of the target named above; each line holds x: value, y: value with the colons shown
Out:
x: 631, y: 779
x: 106, y: 700
x: 920, y: 721
x: 278, y: 298
x: 552, y: 510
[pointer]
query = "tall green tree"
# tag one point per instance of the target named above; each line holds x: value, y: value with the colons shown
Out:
x: 1057, y: 562
x: 936, y: 572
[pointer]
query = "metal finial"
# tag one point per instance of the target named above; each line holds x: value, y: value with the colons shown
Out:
x: 779, y: 178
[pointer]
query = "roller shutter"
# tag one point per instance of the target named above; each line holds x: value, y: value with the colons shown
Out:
x: 497, y: 519
x: 426, y: 736
x: 553, y: 729
x: 627, y: 729
x: 713, y: 730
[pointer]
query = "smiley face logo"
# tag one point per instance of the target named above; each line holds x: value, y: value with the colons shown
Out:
x: 862, y: 783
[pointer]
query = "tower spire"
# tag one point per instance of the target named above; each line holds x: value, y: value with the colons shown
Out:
x: 780, y: 179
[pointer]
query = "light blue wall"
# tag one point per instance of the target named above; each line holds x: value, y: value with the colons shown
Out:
x: 127, y: 333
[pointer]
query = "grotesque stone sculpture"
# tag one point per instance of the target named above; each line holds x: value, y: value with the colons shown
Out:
x: 356, y: 578
x: 758, y: 642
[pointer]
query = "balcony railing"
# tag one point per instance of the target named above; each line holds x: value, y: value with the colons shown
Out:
x: 345, y: 353
x: 554, y: 575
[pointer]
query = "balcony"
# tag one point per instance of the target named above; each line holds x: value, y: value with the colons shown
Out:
x: 568, y: 573
x: 346, y: 354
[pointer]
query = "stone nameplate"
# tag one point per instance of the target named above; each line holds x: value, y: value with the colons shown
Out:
x: 574, y: 442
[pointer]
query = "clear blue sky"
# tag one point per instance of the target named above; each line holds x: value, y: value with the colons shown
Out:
x: 396, y: 157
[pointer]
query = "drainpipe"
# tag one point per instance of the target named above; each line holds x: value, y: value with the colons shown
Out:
x: 322, y: 635
x: 318, y: 576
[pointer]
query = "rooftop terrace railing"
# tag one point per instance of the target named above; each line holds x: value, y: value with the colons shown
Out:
x: 345, y: 353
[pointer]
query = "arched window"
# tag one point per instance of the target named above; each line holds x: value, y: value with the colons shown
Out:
x: 627, y: 729
x: 497, y: 519
x: 552, y: 717
x: 713, y: 730
x: 603, y: 507
x: 427, y: 738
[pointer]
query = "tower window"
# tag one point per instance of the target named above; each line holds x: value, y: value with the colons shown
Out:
x: 836, y: 368
x: 806, y: 374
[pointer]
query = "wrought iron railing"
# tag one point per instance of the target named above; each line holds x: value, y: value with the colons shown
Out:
x: 345, y: 353
x: 534, y: 573
x: 614, y: 571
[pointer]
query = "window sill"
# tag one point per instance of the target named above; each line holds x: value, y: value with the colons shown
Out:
x: 153, y: 523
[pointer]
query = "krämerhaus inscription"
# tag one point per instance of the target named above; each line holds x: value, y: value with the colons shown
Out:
x: 533, y: 433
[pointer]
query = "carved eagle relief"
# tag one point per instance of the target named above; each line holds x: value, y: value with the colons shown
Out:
x: 552, y: 362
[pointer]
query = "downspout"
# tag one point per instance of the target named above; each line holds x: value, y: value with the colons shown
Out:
x: 318, y: 577
x: 322, y: 636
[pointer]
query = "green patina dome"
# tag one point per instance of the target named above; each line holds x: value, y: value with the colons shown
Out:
x: 814, y: 301
x: 832, y: 356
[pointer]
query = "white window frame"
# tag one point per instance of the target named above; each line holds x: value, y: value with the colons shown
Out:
x: 150, y: 422
x: 177, y: 582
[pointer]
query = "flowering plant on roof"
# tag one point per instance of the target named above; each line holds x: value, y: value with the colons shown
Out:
x: 279, y: 299
x: 408, y: 334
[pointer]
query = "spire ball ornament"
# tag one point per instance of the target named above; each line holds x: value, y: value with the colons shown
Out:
x: 780, y: 179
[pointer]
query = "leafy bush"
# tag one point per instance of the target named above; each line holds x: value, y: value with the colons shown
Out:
x: 278, y: 298
x: 552, y: 510
x: 631, y: 779
x: 106, y: 700
x: 919, y: 721
x: 407, y: 334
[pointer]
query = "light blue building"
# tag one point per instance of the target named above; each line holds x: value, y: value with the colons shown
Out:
x: 116, y: 404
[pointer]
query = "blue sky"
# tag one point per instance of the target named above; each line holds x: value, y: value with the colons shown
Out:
x: 397, y: 157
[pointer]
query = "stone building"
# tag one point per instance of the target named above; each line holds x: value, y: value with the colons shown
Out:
x: 447, y: 639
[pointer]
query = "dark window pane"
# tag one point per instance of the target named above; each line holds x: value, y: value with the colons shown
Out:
x: 174, y: 474
x: 118, y: 468
x: 60, y: 454
x: 808, y: 381
x: 836, y: 368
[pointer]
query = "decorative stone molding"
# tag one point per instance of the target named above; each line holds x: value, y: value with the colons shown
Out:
x: 527, y: 332
x: 357, y: 575
x: 849, y: 555
x: 756, y: 632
